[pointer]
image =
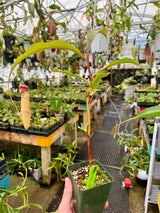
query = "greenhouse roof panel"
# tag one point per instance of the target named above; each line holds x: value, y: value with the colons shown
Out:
x: 74, y: 14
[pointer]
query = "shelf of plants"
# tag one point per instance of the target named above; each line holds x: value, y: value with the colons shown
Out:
x: 147, y: 98
x: 47, y: 124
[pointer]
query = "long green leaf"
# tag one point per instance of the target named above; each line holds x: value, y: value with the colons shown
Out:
x: 28, y: 206
x: 120, y: 61
x: 63, y: 24
x: 31, y: 9
x: 56, y: 103
x: 157, y: 4
x: 41, y: 46
x: 149, y: 112
x: 96, y: 80
x: 91, y: 178
x: 55, y: 6
x: 67, y: 72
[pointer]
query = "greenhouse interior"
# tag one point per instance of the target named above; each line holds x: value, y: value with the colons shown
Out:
x: 79, y: 106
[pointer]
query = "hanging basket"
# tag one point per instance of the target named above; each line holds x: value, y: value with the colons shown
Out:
x: 100, y: 43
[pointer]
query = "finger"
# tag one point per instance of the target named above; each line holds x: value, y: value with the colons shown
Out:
x: 73, y: 203
x: 106, y: 205
x: 67, y: 194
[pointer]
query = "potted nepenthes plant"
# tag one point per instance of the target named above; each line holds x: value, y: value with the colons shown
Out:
x: 92, y: 197
x: 137, y: 164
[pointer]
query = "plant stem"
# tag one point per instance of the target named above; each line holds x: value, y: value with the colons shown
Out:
x: 89, y: 130
x: 88, y: 66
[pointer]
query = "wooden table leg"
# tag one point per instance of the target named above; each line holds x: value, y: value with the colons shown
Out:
x: 103, y: 102
x: 99, y: 105
x: 105, y: 98
x: 85, y: 119
x: 74, y: 134
x: 46, y: 162
x: 94, y: 112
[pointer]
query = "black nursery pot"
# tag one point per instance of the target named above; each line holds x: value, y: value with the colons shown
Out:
x: 92, y: 200
x: 2, y: 162
x: 9, y: 41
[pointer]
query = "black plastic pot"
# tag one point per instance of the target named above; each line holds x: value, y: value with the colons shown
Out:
x: 92, y: 200
x: 7, y: 55
x: 158, y: 80
x: 2, y: 162
x: 9, y: 41
x: 31, y: 85
x: 3, y: 167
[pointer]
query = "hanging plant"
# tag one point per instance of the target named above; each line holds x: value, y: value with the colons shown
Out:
x: 147, y: 52
x: 52, y: 28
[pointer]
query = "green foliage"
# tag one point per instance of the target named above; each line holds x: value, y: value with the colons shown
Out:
x: 56, y: 103
x: 54, y: 7
x: 20, y: 191
x: 134, y: 52
x: 91, y: 178
x: 117, y: 62
x: 150, y: 129
x: 24, y: 157
x: 152, y: 32
x: 69, y: 127
x: 60, y: 164
x: 157, y: 4
x: 119, y: 89
x: 149, y: 112
x: 97, y: 79
x: 41, y: 46
x: 129, y: 139
x: 67, y: 72
x: 31, y: 9
x: 138, y: 159
x: 121, y: 19
x: 6, y: 33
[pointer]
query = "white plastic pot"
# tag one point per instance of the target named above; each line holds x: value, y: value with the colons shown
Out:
x: 142, y: 174
x: 125, y: 148
x: 26, y: 45
x: 37, y: 173
x: 141, y: 54
x: 157, y: 42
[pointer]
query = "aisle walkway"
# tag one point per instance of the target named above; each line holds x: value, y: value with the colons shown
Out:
x: 104, y: 149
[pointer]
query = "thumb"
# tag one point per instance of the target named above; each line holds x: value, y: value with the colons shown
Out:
x: 67, y: 196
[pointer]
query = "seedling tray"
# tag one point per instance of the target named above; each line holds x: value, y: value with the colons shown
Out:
x: 3, y: 167
x: 146, y: 104
x: 30, y: 131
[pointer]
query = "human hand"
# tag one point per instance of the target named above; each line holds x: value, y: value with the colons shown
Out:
x: 67, y: 205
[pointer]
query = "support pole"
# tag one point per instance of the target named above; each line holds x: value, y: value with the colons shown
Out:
x: 46, y: 162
